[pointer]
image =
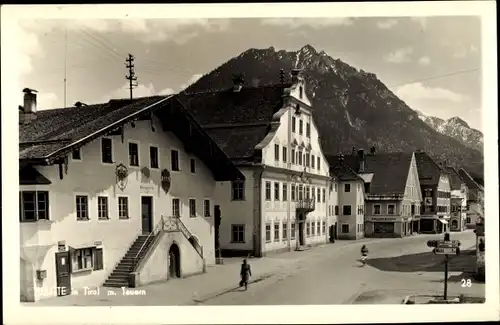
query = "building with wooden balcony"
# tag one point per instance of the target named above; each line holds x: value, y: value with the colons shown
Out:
x: 120, y: 193
x: 436, y: 192
x: 270, y: 134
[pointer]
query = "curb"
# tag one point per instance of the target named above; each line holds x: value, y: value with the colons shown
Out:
x: 229, y: 289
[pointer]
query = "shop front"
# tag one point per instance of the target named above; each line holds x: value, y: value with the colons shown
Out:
x: 384, y: 227
x: 434, y: 224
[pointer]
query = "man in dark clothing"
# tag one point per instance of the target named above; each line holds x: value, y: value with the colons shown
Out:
x: 245, y: 274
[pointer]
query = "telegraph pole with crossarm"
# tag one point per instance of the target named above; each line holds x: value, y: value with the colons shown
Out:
x: 131, y: 73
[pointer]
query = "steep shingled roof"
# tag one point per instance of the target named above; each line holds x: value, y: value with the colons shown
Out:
x: 429, y: 171
x: 390, y: 170
x: 55, y: 133
x: 237, y: 121
x: 455, y: 178
x: 469, y: 181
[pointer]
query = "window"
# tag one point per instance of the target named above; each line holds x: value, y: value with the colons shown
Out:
x: 285, y: 231
x: 34, y: 205
x: 336, y: 210
x: 345, y: 229
x: 308, y: 229
x: 308, y: 130
x: 81, y: 259
x: 318, y: 160
x: 323, y: 227
x: 317, y: 195
x: 318, y: 230
x: 276, y: 191
x: 293, y: 124
x: 106, y: 151
x: 176, y: 207
x: 268, y: 233
x: 268, y: 191
x: 133, y: 154
x: 307, y: 192
x: 102, y: 207
x: 307, y: 160
x: 391, y: 209
x: 360, y: 209
x: 301, y: 189
x: 301, y: 127
x: 174, y: 158
x: 312, y: 161
x: 313, y: 228
x: 468, y: 220
x: 324, y: 195
x: 276, y: 232
x: 293, y: 156
x: 292, y: 194
x: 346, y: 210
x: 376, y: 209
x: 192, y: 165
x: 206, y: 208
x: 153, y: 157
x: 76, y: 154
x: 82, y: 207
x: 285, y: 192
x: 277, y: 152
x: 238, y: 190
x: 98, y: 259
x: 300, y: 158
x: 292, y: 230
x: 192, y: 208
x: 123, y: 207
x: 238, y: 233
x: 284, y: 154
x: 347, y: 188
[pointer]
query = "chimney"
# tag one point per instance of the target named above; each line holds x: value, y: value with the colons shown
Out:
x: 28, y: 110
x: 373, y: 150
x: 361, y: 155
x: 296, y: 75
x: 238, y: 81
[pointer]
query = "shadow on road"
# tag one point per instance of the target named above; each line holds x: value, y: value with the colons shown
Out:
x: 425, y: 262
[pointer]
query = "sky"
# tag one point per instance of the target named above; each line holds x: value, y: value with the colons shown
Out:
x: 432, y: 63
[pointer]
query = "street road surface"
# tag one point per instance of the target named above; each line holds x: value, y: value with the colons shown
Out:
x: 395, y: 268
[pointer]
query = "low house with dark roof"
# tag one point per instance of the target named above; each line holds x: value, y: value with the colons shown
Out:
x: 347, y: 200
x: 436, y: 190
x: 120, y: 193
x: 269, y: 133
x: 475, y: 200
x: 391, y: 190
x: 458, y: 202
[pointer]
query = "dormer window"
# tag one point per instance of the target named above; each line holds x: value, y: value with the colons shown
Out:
x: 297, y: 109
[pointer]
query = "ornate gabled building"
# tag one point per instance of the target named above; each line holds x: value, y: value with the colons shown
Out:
x: 270, y: 134
x: 120, y: 193
x: 475, y: 200
x: 436, y: 191
x: 458, y: 201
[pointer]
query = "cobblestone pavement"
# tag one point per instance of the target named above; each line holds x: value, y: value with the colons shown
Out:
x: 328, y: 274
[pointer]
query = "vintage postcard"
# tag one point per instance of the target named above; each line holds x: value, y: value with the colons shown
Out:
x: 334, y: 162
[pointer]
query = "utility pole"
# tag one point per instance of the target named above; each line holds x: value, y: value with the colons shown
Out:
x: 131, y: 73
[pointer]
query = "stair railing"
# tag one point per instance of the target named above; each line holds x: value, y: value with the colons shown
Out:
x: 159, y: 226
x: 176, y: 224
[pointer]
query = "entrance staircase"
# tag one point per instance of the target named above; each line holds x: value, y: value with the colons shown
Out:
x: 120, y: 275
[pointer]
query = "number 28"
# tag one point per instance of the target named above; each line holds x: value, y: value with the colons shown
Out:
x: 466, y: 283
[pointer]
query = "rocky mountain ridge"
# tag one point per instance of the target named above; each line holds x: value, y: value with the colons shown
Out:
x: 351, y: 107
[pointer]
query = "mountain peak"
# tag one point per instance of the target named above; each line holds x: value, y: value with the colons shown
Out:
x: 458, y: 121
x: 308, y: 49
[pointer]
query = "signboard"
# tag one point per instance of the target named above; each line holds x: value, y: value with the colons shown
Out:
x: 428, y: 201
x: 451, y: 243
x: 445, y: 250
x: 382, y: 219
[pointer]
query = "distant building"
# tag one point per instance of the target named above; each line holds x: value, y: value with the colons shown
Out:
x: 459, y: 195
x: 436, y: 192
x: 475, y: 200
x: 270, y: 134
x: 120, y: 193
x: 391, y: 192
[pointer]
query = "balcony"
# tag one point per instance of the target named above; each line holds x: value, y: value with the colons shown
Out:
x: 305, y: 205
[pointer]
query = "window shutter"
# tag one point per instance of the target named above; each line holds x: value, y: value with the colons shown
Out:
x: 98, y: 259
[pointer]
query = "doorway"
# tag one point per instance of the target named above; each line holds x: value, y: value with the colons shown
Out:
x: 63, y: 274
x: 147, y: 214
x: 174, y: 261
x: 301, y: 233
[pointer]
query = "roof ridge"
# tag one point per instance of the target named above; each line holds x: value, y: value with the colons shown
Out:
x: 245, y: 87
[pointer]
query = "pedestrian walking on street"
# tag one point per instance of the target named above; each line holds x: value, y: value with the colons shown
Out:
x: 364, y: 254
x: 245, y: 274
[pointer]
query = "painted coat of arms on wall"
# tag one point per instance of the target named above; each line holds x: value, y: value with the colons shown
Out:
x: 145, y: 174
x: 166, y: 180
x: 121, y: 176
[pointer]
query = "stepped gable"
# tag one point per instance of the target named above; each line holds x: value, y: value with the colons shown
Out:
x: 236, y: 121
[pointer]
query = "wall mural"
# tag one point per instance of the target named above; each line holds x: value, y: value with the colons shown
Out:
x: 166, y: 180
x: 121, y: 176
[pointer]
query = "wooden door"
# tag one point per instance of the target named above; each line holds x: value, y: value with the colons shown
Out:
x: 147, y: 214
x: 63, y: 273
